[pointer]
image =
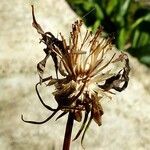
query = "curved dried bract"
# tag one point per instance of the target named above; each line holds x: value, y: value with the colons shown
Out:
x: 88, y: 69
x: 87, y: 126
x: 83, y: 125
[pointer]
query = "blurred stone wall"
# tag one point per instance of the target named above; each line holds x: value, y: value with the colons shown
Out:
x: 125, y: 122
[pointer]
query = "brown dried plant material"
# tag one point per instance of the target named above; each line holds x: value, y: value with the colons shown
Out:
x: 88, y: 67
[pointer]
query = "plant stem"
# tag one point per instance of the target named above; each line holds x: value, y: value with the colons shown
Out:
x: 68, y: 132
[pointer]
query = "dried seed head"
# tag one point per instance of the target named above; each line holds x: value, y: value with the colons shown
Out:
x: 88, y: 67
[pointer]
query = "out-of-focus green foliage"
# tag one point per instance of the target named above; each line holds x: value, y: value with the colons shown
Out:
x: 127, y: 20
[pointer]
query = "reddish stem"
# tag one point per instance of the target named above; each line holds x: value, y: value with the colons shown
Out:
x: 68, y: 132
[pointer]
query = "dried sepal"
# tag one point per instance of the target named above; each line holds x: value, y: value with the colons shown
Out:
x: 63, y: 92
x: 83, y: 124
x: 78, y: 115
x: 97, y: 110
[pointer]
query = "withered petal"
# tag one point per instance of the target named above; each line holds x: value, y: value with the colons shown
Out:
x: 41, y: 67
x: 35, y: 24
x: 115, y: 81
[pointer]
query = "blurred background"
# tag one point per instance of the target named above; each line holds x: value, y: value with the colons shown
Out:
x: 127, y: 20
x: 126, y: 121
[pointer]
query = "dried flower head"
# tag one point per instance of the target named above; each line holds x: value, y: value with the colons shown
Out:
x: 88, y: 68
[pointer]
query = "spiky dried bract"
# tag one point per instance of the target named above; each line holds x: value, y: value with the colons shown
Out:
x: 88, y: 67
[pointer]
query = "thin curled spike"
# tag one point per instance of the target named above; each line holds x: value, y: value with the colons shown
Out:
x: 40, y: 122
x: 46, y: 106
